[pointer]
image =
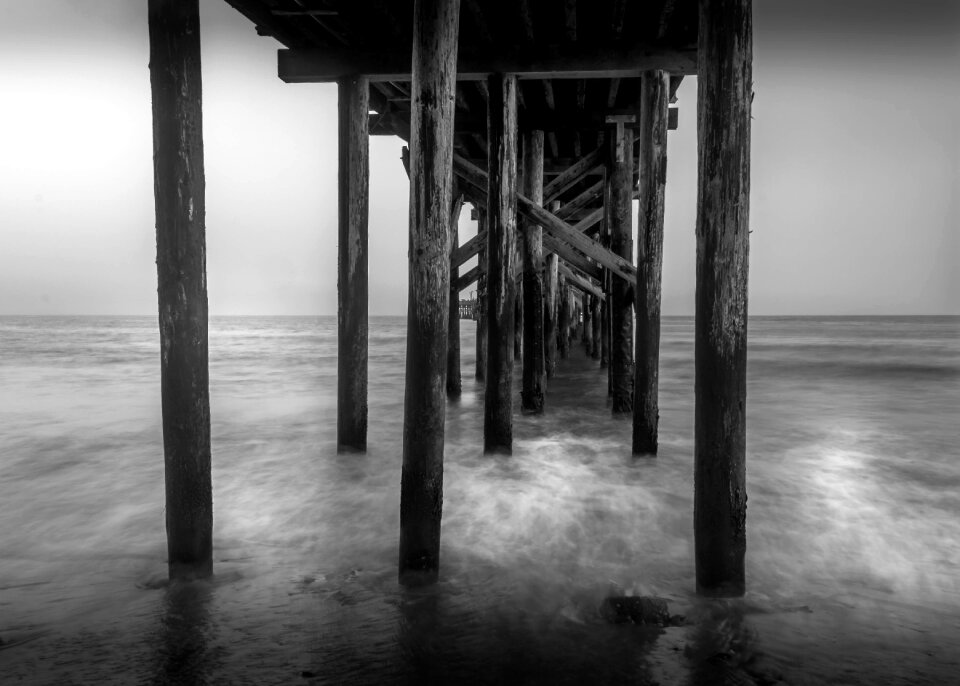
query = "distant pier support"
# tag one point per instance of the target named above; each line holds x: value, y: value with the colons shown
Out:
x: 620, y: 215
x: 563, y: 342
x: 501, y: 237
x: 724, y: 94
x: 174, y: 29
x: 435, y: 31
x: 534, y: 368
x: 454, y: 382
x: 352, y: 275
x: 586, y: 335
x: 480, y: 371
x: 654, y: 113
x: 595, y: 321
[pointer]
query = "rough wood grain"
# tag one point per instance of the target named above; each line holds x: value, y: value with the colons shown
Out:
x: 724, y: 94
x: 174, y: 30
x: 620, y: 216
x: 572, y: 257
x: 435, y: 30
x: 654, y: 103
x: 501, y: 239
x: 352, y: 277
x: 534, y: 369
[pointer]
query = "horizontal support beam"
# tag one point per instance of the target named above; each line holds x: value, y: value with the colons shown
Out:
x: 389, y: 123
x: 572, y: 61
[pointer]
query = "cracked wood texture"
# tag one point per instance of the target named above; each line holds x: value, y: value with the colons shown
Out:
x: 501, y: 239
x: 435, y: 27
x: 534, y: 368
x: 620, y: 181
x: 654, y: 111
x: 352, y: 274
x: 723, y: 122
x: 174, y: 29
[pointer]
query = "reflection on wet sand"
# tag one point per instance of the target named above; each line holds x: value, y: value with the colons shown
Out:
x: 185, y: 654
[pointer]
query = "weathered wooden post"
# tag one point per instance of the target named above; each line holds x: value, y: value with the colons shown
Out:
x: 620, y: 181
x: 435, y: 29
x: 724, y: 94
x: 481, y: 365
x: 534, y: 367
x: 454, y: 382
x: 501, y: 237
x: 550, y: 314
x: 353, y: 211
x: 174, y: 28
x: 654, y: 113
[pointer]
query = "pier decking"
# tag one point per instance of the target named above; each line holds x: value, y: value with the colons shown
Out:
x: 550, y: 119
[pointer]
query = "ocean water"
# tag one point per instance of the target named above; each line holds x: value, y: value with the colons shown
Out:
x: 853, y: 474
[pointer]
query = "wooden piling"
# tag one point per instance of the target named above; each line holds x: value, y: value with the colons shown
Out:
x: 604, y: 238
x: 534, y: 367
x: 550, y: 314
x: 501, y: 236
x: 724, y: 94
x: 352, y: 298
x: 620, y: 181
x: 596, y: 322
x: 174, y: 30
x: 481, y: 364
x: 454, y: 381
x: 435, y: 29
x: 654, y: 113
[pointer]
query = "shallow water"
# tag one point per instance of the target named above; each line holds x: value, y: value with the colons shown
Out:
x: 853, y: 526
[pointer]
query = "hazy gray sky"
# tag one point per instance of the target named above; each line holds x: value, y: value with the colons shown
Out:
x: 854, y: 209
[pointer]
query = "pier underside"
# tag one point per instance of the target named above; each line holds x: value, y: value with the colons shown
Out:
x: 550, y: 119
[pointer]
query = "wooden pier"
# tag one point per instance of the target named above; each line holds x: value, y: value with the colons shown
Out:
x: 550, y: 119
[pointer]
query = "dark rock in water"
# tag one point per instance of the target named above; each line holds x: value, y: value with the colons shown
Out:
x: 646, y: 610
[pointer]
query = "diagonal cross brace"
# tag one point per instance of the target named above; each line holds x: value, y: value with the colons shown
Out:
x: 550, y: 223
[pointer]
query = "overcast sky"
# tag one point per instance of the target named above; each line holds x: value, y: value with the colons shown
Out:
x: 855, y: 185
